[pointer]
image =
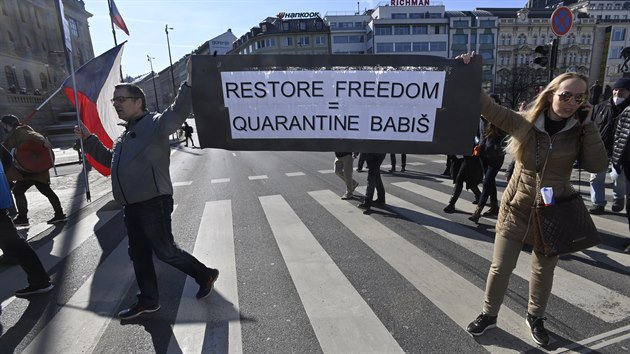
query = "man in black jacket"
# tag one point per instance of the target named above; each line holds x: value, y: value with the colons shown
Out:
x: 605, y: 116
x: 620, y: 156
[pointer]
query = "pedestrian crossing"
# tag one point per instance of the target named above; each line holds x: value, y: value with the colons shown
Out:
x: 338, y: 312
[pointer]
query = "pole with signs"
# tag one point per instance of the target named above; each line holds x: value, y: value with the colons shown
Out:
x: 561, y: 23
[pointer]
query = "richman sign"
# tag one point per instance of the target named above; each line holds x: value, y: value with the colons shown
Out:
x: 409, y: 3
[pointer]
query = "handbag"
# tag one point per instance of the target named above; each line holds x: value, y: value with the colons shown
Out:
x: 563, y: 227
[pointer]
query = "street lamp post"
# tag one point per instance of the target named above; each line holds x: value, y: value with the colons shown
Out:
x: 168, y: 43
x: 157, y: 106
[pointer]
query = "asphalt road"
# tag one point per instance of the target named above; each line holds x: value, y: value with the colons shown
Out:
x: 301, y: 270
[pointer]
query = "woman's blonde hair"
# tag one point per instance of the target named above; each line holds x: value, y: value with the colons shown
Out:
x: 541, y: 103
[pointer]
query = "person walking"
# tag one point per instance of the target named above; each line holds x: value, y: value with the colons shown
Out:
x: 606, y: 115
x: 545, y: 140
x: 403, y: 162
x: 16, y: 135
x: 360, y: 162
x: 18, y: 249
x: 620, y: 159
x: 465, y: 169
x: 188, y: 131
x: 492, y: 156
x: 374, y: 181
x: 343, y: 168
x: 143, y: 186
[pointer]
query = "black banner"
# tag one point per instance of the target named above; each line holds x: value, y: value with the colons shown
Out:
x: 361, y: 103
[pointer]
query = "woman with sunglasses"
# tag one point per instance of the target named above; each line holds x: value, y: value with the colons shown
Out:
x: 557, y: 128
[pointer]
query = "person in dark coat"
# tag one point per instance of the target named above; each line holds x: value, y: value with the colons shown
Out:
x: 374, y: 181
x: 605, y: 117
x: 464, y: 169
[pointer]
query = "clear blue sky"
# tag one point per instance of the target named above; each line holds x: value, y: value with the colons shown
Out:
x: 196, y: 21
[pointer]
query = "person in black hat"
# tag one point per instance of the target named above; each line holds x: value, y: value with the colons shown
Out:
x: 16, y: 135
x: 605, y: 116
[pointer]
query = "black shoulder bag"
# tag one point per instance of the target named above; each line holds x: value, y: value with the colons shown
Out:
x: 564, y: 227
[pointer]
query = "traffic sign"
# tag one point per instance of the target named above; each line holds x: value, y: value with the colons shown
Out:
x: 561, y: 21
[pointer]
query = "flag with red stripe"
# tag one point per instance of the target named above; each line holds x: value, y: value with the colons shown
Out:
x: 117, y: 18
x: 95, y: 87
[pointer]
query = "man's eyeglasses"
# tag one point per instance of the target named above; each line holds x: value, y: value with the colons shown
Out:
x: 121, y: 99
x: 580, y: 98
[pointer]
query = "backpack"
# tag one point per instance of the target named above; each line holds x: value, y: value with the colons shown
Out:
x: 189, y: 130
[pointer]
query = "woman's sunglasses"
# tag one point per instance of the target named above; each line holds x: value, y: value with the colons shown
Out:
x: 580, y: 98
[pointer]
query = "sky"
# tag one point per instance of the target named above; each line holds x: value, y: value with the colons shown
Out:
x: 194, y: 22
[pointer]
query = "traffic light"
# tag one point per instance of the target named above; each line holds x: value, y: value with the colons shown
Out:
x: 544, y: 51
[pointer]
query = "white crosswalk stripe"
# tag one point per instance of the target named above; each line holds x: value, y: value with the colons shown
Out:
x: 591, y: 297
x: 340, y: 317
x: 342, y: 321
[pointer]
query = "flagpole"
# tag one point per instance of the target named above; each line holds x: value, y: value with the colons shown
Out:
x: 68, y: 46
x: 109, y: 5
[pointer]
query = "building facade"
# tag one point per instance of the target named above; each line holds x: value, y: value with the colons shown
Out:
x: 32, y: 54
x: 286, y: 33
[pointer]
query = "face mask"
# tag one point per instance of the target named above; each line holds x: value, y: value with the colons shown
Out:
x: 618, y: 100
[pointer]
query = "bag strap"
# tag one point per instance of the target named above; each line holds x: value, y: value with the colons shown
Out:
x: 538, y: 173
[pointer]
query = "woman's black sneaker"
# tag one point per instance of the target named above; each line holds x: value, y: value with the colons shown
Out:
x: 34, y: 289
x: 536, y: 325
x: 481, y: 324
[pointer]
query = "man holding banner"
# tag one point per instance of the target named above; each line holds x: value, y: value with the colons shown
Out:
x: 140, y: 161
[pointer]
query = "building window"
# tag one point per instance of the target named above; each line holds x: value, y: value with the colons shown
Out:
x: 401, y: 30
x: 9, y: 72
x: 285, y: 26
x: 28, y: 79
x: 435, y: 15
x: 287, y: 41
x: 319, y: 25
x: 399, y: 16
x: 346, y: 25
x: 302, y: 26
x: 320, y: 40
x: 486, y: 38
x: 473, y: 39
x: 460, y: 24
x: 415, y: 15
x: 486, y: 23
x: 74, y: 29
x: 384, y: 47
x: 403, y: 47
x: 420, y: 47
x: 43, y: 81
x: 619, y: 34
x: 383, y: 31
x: 304, y: 41
x: 437, y: 46
x: 486, y: 54
x: 615, y: 52
x: 522, y: 39
x: 270, y: 42
x: 418, y: 29
x: 460, y: 39
x: 348, y: 39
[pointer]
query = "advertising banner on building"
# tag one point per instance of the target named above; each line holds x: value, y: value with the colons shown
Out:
x: 360, y: 103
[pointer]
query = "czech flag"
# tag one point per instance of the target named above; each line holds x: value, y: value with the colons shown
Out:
x: 95, y: 87
x: 116, y: 17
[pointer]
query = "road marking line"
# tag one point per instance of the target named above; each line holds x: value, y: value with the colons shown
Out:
x: 180, y: 184
x: 326, y: 171
x: 294, y: 174
x: 341, y: 319
x: 443, y: 287
x: 214, y: 246
x: 251, y: 178
x: 220, y: 180
x: 597, y: 300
